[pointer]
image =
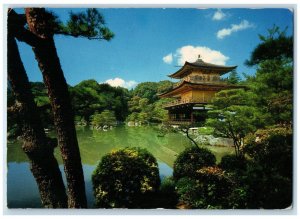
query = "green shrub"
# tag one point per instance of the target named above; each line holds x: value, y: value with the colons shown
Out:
x: 238, y: 198
x: 190, y: 196
x: 236, y: 166
x: 167, y: 185
x: 216, y: 185
x: 210, y: 188
x: 265, y: 180
x: 191, y: 160
x: 167, y: 194
x: 266, y: 188
x: 272, y: 149
x: 126, y: 179
x: 232, y: 163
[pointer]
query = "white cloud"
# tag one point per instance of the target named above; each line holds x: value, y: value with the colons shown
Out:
x: 234, y: 28
x: 168, y: 58
x: 119, y: 82
x: 190, y: 53
x: 218, y: 15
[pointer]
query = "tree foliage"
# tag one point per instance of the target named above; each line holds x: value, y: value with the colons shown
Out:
x: 147, y: 90
x: 150, y: 90
x: 105, y: 118
x: 275, y: 46
x: 90, y: 24
x: 233, y: 77
x: 233, y: 116
x: 264, y: 180
x: 42, y: 102
x: 164, y: 86
x: 89, y: 97
x: 140, y: 110
x: 144, y: 112
x: 273, y: 86
x: 159, y: 113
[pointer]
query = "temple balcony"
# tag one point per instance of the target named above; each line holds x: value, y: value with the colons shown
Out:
x: 203, y: 100
x: 198, y: 81
x: 180, y: 122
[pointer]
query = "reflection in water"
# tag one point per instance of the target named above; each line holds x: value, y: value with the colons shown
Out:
x: 22, y: 191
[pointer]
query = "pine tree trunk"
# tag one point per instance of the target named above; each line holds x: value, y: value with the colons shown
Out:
x: 37, y: 146
x: 49, y: 64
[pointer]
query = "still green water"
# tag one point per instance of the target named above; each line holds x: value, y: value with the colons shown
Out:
x: 22, y: 190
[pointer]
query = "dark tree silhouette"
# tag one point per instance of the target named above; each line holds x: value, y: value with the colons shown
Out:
x: 37, y: 146
x: 42, y: 26
x: 276, y: 45
x: 48, y: 61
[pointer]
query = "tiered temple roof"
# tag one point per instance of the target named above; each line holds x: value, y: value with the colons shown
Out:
x: 199, y: 81
x: 205, y: 67
x: 185, y: 86
x: 201, y: 67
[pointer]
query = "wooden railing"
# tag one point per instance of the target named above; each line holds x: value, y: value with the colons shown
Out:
x: 180, y: 121
x: 185, y: 101
x: 199, y: 82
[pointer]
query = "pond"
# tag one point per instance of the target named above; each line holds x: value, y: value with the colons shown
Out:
x: 22, y: 191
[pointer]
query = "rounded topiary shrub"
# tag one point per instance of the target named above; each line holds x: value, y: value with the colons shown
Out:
x: 191, y: 160
x: 125, y: 179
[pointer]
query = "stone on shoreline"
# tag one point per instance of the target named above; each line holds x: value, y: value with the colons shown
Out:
x: 214, y: 141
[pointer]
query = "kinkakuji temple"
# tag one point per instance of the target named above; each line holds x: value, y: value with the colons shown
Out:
x: 199, y: 81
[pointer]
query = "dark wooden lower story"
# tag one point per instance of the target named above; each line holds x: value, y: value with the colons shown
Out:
x: 186, y: 114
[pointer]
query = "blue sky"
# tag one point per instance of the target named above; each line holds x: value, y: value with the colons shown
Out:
x: 149, y: 43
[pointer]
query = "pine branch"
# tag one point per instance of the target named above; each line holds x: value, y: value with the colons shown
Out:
x: 90, y: 25
x: 60, y: 32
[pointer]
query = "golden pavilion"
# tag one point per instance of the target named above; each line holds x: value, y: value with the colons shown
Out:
x: 199, y: 81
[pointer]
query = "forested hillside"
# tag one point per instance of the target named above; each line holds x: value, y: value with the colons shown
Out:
x: 90, y: 98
